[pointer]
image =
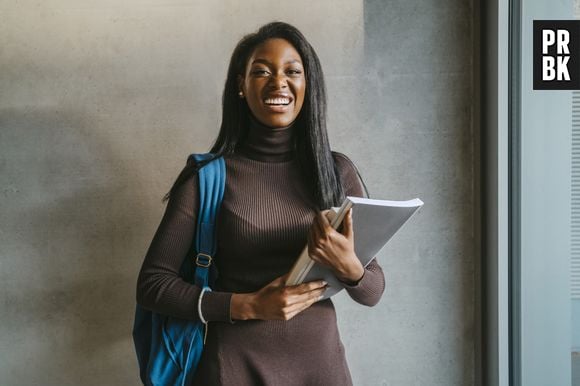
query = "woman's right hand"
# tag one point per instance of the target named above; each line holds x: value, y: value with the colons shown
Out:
x: 276, y: 301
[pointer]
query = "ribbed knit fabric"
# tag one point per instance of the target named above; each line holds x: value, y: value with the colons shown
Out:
x: 262, y: 228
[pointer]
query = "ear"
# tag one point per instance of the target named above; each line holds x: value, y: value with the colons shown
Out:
x: 240, y: 80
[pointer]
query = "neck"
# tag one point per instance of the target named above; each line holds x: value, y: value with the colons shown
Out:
x: 268, y: 144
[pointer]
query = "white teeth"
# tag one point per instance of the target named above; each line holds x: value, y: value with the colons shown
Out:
x: 277, y: 101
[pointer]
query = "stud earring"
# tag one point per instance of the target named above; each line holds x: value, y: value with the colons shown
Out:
x: 241, y: 94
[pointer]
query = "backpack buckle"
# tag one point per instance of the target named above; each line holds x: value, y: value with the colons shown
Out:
x: 203, y: 260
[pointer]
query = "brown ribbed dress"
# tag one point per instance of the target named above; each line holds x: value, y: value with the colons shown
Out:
x: 262, y: 228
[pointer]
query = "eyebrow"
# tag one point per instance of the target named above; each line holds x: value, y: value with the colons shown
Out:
x: 264, y: 61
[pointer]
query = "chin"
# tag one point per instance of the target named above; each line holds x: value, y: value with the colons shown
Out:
x: 278, y: 123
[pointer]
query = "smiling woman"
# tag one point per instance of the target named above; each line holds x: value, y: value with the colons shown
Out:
x: 273, y: 83
x: 281, y: 176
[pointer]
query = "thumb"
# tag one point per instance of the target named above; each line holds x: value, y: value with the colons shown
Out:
x: 347, y: 229
x: 280, y: 281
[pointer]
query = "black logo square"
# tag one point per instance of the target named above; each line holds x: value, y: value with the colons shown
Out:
x: 556, y: 54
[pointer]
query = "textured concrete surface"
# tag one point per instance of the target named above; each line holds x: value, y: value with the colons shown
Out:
x: 101, y: 101
x: 413, y: 112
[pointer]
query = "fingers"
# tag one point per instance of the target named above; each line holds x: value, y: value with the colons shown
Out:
x: 305, y: 298
x: 347, y: 229
x: 283, y: 278
x: 307, y: 287
x: 303, y: 307
x: 302, y: 302
x: 320, y: 232
x: 302, y: 293
x: 320, y: 226
x: 277, y: 301
x: 279, y: 281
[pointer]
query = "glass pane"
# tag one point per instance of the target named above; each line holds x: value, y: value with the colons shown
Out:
x: 575, y: 240
x: 548, y: 309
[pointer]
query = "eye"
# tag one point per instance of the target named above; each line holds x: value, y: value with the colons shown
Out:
x: 294, y: 71
x: 260, y: 72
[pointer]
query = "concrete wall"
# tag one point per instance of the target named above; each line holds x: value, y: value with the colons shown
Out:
x: 101, y: 101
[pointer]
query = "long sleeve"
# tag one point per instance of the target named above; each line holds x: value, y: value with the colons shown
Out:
x: 369, y: 289
x: 159, y: 286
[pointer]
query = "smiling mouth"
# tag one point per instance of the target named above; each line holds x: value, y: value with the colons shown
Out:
x: 277, y: 101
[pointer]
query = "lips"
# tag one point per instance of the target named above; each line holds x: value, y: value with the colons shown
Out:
x: 278, y: 100
x: 278, y: 103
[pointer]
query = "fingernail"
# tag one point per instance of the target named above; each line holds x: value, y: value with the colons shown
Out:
x: 320, y: 297
x: 324, y: 283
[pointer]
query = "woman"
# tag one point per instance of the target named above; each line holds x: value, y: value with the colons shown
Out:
x: 281, y: 177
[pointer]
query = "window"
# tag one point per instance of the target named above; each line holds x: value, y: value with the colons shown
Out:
x: 531, y: 202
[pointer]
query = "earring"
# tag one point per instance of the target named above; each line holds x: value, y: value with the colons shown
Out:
x: 241, y: 94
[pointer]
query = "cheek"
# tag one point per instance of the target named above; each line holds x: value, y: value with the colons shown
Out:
x: 302, y: 97
x: 301, y: 93
x: 253, y: 97
x: 253, y: 87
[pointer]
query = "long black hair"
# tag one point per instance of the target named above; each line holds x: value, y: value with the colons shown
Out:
x: 312, y: 145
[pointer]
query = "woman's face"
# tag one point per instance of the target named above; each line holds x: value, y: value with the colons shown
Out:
x: 274, y: 83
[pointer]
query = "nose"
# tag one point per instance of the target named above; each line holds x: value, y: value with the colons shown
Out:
x: 278, y: 81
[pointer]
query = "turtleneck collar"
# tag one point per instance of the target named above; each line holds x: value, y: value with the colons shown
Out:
x: 268, y: 144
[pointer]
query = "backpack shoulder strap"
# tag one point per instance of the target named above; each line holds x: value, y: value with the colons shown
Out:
x: 212, y: 178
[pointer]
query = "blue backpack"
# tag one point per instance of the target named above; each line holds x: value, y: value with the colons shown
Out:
x: 169, y: 349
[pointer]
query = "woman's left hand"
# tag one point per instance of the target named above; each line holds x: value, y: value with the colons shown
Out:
x: 335, y: 249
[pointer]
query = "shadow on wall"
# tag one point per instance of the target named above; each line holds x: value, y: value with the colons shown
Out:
x: 69, y: 229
